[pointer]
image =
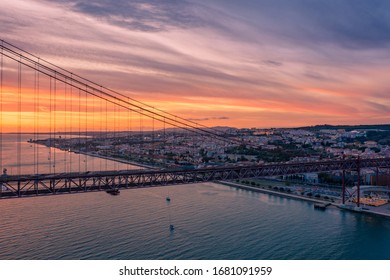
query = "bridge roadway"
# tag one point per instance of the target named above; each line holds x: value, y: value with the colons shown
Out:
x: 61, y: 183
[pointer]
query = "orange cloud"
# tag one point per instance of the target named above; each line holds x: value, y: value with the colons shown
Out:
x: 216, y: 65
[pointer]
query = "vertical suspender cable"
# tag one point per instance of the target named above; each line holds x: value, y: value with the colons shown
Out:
x: 118, y: 127
x: 35, y: 122
x: 65, y: 127
x: 93, y: 134
x: 71, y: 127
x: 54, y: 121
x: 164, y: 135
x: 86, y: 132
x: 114, y: 135
x: 141, y: 134
x: 50, y: 125
x: 130, y: 134
x: 193, y: 147
x: 153, y: 143
x: 19, y: 134
x: 101, y: 127
x: 164, y: 146
x: 128, y: 138
x: 106, y: 137
x: 79, y: 150
x: 1, y: 111
x: 38, y: 115
x: 119, y: 135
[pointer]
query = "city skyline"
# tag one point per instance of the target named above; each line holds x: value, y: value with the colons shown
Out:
x: 247, y: 64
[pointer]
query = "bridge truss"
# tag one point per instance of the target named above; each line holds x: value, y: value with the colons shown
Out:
x: 52, y: 184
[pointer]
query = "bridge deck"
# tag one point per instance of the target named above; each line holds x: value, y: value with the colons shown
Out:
x: 44, y: 184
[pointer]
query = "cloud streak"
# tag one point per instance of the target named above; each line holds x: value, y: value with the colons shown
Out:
x: 139, y: 15
x: 315, y: 61
x: 208, y: 119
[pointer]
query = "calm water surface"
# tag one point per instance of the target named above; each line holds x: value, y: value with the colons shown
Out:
x: 211, y: 222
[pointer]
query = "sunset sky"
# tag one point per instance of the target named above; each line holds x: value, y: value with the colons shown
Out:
x: 248, y: 63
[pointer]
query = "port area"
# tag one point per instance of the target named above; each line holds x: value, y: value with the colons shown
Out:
x: 271, y: 186
x: 328, y: 198
x: 382, y: 210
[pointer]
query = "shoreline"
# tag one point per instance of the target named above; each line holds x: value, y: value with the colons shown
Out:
x: 261, y: 190
x: 303, y: 198
x: 124, y: 161
x: 117, y: 160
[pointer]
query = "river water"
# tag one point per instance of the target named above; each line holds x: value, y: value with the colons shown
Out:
x: 211, y: 221
x: 39, y: 159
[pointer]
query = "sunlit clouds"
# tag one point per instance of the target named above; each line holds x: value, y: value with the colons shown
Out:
x: 235, y: 63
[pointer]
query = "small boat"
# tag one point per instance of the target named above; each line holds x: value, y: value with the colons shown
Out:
x: 113, y: 191
x: 168, y: 199
x: 320, y: 206
x: 171, y: 228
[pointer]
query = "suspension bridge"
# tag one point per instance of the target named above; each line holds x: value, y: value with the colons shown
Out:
x: 67, y: 117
